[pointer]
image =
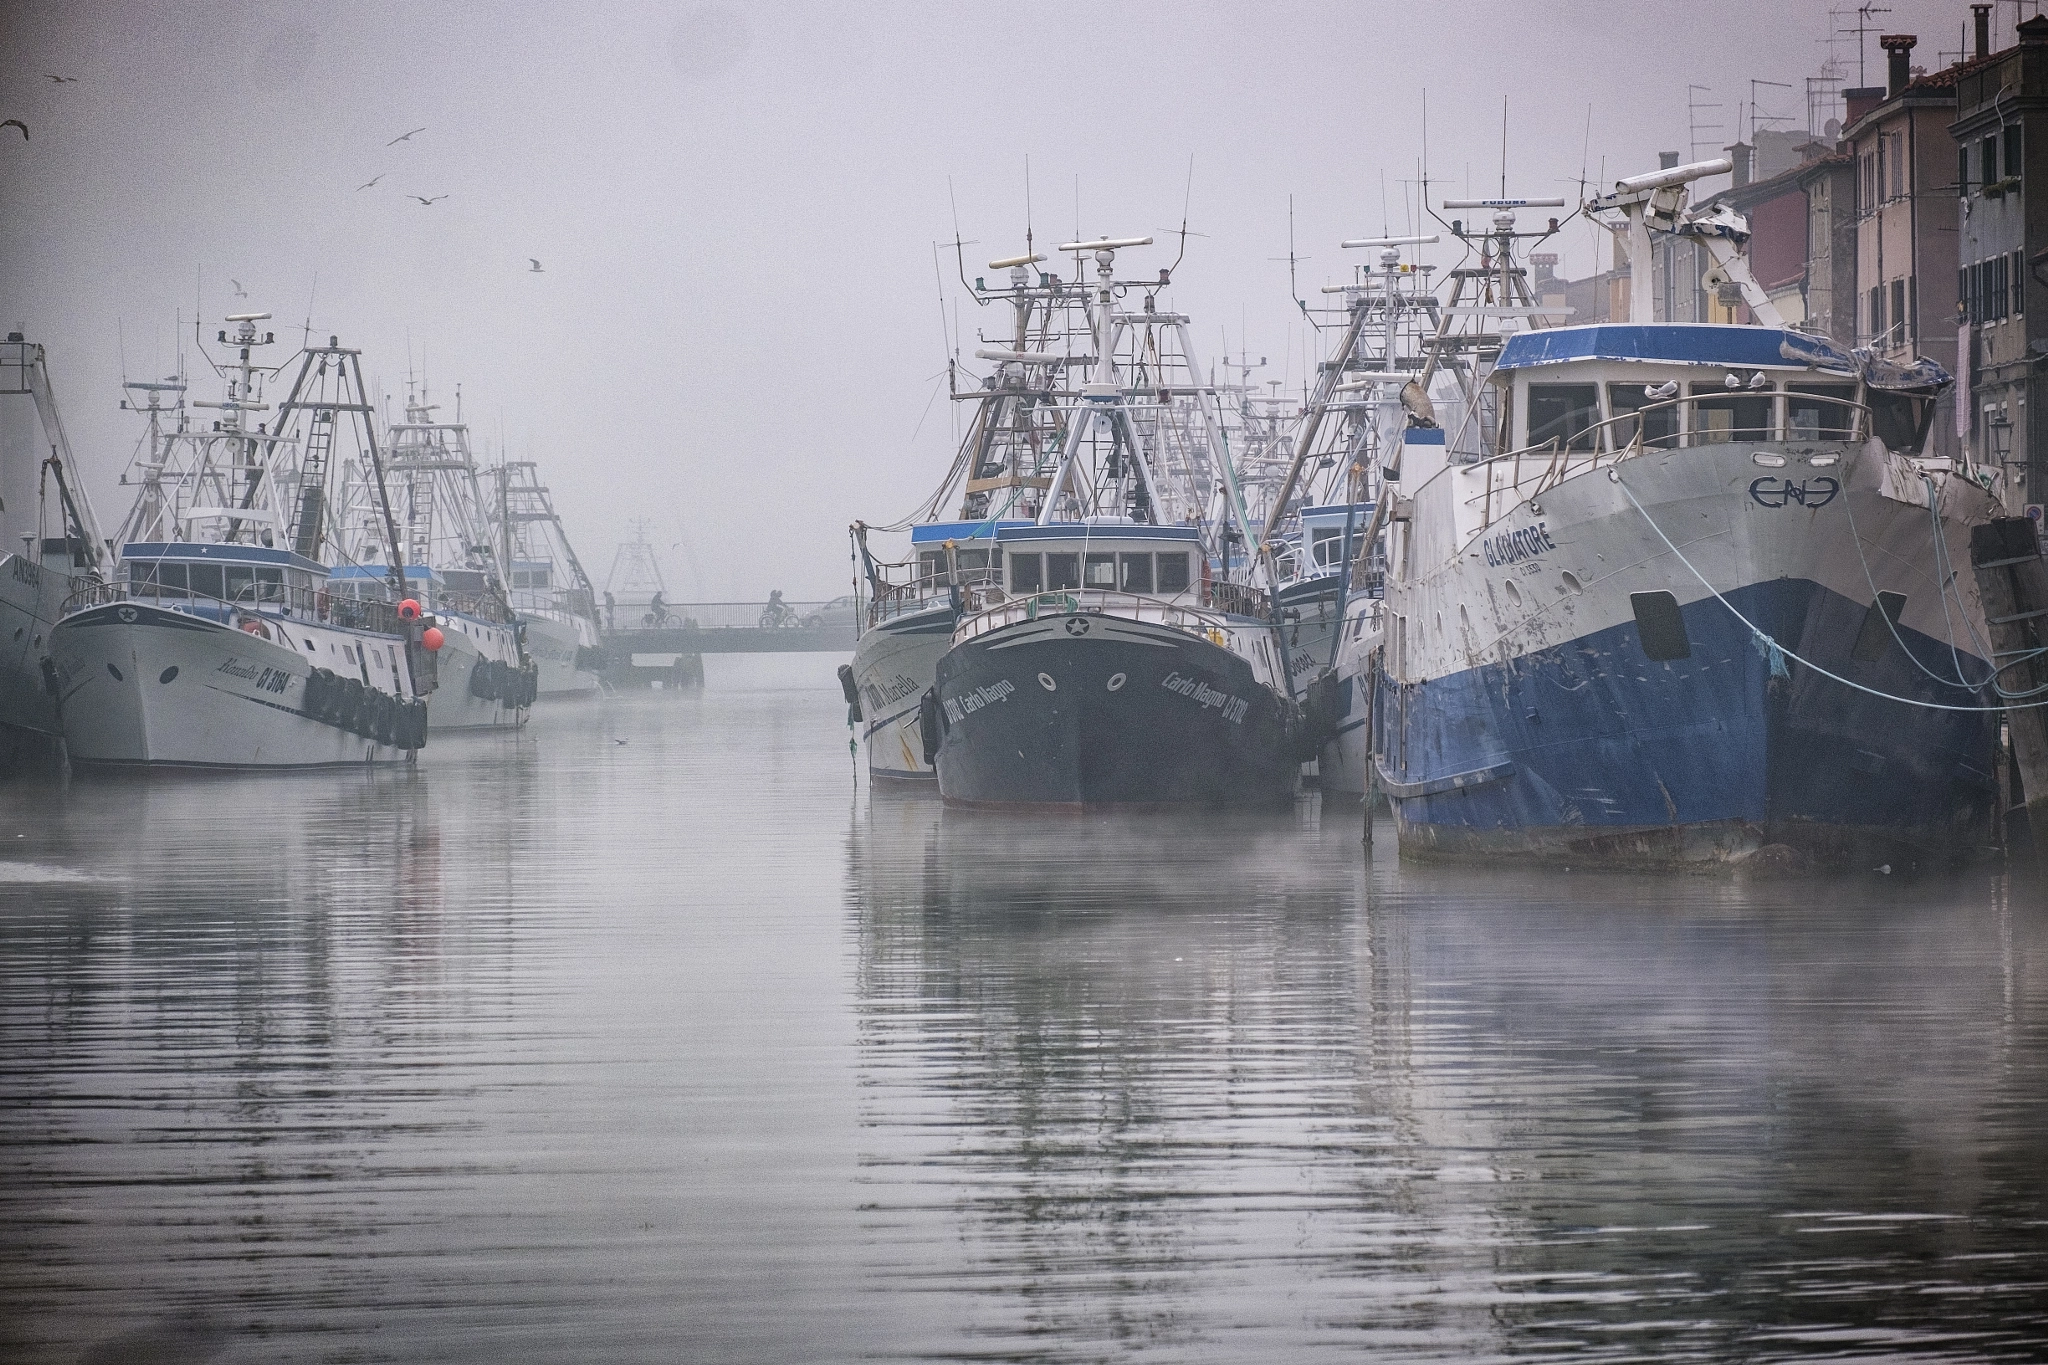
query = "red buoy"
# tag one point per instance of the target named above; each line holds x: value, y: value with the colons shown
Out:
x: 409, y: 610
x: 432, y: 637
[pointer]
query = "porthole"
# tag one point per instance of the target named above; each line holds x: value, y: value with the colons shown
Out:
x: 168, y: 676
x: 1116, y: 681
x: 1571, y: 582
x: 116, y: 672
x: 1514, y: 593
x: 1045, y: 681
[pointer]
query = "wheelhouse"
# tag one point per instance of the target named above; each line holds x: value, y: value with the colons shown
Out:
x: 203, y: 575
x: 1607, y: 388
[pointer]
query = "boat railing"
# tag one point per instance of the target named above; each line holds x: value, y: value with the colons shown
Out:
x: 1534, y: 470
x: 267, y: 599
x: 998, y: 610
x: 923, y: 588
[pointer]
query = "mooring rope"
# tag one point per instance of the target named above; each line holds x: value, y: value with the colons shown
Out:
x: 1765, y: 640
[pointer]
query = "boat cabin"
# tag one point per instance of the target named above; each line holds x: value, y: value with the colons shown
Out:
x: 1602, y: 387
x: 202, y: 575
x: 1123, y: 557
x: 1324, y: 531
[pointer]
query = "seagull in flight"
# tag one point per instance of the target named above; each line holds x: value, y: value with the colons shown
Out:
x: 61, y: 80
x: 403, y: 137
x: 536, y: 266
x: 16, y: 123
x: 428, y: 202
x: 240, y: 292
x: 373, y: 180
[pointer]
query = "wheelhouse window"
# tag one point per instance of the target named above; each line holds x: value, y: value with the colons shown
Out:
x: 206, y: 580
x: 1721, y: 415
x: 1901, y: 420
x: 1173, y: 571
x: 1820, y: 412
x: 1565, y: 413
x: 1062, y: 572
x: 1101, y: 571
x: 980, y: 566
x: 1027, y: 573
x: 1136, y: 571
x: 1328, y: 547
x: 1659, y: 425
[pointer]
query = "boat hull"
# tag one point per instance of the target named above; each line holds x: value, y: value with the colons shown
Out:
x: 146, y: 686
x: 556, y: 646
x: 467, y: 647
x: 1084, y: 711
x: 894, y: 665
x: 1585, y: 736
x: 31, y: 599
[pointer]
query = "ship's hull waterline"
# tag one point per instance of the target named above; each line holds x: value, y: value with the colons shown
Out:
x: 894, y: 665
x: 1087, y: 711
x: 1608, y: 708
x: 146, y: 686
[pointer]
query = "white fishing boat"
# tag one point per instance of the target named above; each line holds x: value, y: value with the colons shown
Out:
x: 550, y: 591
x: 218, y: 643
x: 486, y: 680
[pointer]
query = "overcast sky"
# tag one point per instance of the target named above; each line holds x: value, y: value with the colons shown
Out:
x: 739, y: 329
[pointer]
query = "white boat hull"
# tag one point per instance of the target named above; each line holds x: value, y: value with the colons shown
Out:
x: 468, y: 645
x: 31, y: 597
x: 555, y: 644
x: 894, y: 665
x: 144, y: 685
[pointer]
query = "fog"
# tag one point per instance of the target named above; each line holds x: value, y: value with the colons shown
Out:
x: 741, y: 322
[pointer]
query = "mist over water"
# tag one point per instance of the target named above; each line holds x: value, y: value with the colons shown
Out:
x: 686, y: 1048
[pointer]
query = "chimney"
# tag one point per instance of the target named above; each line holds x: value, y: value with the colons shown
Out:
x: 1859, y: 102
x: 1666, y: 160
x: 1982, y: 15
x: 1740, y: 155
x: 1900, y: 46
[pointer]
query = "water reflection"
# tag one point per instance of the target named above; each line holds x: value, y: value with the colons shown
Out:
x: 1218, y: 1089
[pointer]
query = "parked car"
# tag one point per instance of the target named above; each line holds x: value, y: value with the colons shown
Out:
x: 839, y: 614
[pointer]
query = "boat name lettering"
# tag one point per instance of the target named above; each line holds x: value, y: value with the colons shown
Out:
x: 1233, y: 707
x: 880, y: 695
x: 1512, y: 547
x: 969, y: 702
x: 266, y: 679
x: 25, y: 572
x: 1774, y: 492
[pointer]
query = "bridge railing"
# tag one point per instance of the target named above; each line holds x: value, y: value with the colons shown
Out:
x: 724, y: 616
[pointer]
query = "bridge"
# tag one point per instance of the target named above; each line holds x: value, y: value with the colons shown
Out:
x: 698, y: 628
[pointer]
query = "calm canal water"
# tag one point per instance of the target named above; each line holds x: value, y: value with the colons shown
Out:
x: 647, y: 1036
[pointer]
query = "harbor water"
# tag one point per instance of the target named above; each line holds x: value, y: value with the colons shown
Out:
x: 648, y: 1033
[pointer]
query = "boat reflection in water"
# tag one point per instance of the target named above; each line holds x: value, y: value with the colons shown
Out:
x: 1159, y: 1081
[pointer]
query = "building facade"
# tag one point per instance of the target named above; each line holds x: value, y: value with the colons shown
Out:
x: 2000, y: 133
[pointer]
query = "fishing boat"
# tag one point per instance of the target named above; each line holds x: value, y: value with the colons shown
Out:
x: 45, y: 508
x: 218, y: 644
x: 1101, y: 664
x: 553, y: 596
x: 1696, y: 597
x: 450, y: 566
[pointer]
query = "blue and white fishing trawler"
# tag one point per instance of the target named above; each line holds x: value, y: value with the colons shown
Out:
x: 1699, y: 597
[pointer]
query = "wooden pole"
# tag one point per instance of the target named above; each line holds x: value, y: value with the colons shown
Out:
x: 2013, y: 582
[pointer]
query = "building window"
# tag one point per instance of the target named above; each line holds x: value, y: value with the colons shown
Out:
x: 1898, y: 313
x: 2012, y: 152
x: 1988, y: 150
x: 2016, y: 271
x: 1963, y: 169
x: 1876, y: 311
x: 1898, y: 180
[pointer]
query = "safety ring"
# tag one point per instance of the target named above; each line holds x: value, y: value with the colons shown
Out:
x: 1116, y: 681
x: 1045, y: 681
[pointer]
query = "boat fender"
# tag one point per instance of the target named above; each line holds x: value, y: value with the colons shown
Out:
x: 50, y: 681
x: 309, y: 699
x: 352, y: 705
x: 852, y: 691
x: 481, y: 682
x: 387, y: 718
x: 529, y: 692
x: 929, y: 718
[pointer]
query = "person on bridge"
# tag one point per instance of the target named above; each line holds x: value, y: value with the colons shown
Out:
x: 658, y: 609
x: 611, y: 613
